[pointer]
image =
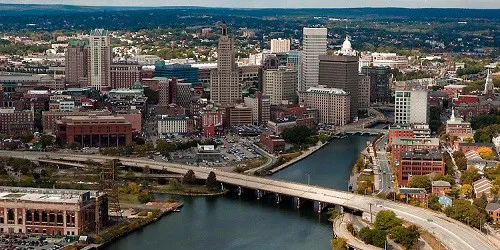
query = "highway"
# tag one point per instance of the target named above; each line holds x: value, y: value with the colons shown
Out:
x: 453, y: 234
x: 386, y: 185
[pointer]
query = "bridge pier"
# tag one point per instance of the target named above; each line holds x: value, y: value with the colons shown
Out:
x: 278, y: 198
x: 259, y: 194
x: 318, y: 206
x: 296, y: 202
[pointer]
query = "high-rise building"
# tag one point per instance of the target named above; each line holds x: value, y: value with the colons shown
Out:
x: 260, y: 106
x: 411, y: 106
x: 314, y: 44
x: 364, y: 93
x: 124, y: 74
x: 271, y: 62
x: 379, y: 81
x: 224, y: 81
x: 77, y: 59
x: 280, y: 84
x: 332, y: 103
x: 184, y: 94
x: 280, y: 45
x: 341, y: 71
x: 100, y: 60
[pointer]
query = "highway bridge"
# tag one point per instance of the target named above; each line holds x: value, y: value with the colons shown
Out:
x: 453, y: 234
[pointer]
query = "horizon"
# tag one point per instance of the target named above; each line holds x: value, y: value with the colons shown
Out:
x: 263, y: 4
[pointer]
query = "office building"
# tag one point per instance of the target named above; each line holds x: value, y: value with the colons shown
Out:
x: 341, y: 71
x: 380, y: 82
x: 100, y: 60
x: 280, y: 45
x: 272, y: 62
x: 172, y: 125
x: 237, y: 115
x: 77, y: 62
x: 401, y: 145
x: 364, y: 89
x: 180, y: 71
x: 314, y: 44
x: 333, y: 104
x: 419, y: 162
x: 260, y: 106
x: 49, y: 118
x: 56, y: 212
x: 411, y: 106
x: 94, y: 131
x: 124, y: 74
x: 13, y: 122
x: 280, y: 85
x: 224, y: 81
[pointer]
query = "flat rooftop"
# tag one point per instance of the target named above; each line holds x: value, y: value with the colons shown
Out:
x: 44, y: 194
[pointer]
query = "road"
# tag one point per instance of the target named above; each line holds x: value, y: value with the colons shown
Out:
x: 385, y: 172
x: 457, y: 174
x: 452, y: 233
x: 340, y: 230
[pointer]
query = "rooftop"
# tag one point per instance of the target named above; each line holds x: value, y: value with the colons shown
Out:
x: 416, y: 141
x: 425, y: 155
x: 492, y: 206
x: 326, y: 91
x: 441, y: 184
x: 45, y: 194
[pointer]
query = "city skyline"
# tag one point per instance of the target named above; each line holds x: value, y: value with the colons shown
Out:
x: 479, y: 4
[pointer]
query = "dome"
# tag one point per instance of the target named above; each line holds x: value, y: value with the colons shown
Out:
x: 347, y: 44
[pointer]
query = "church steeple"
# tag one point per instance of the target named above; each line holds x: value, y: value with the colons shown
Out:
x: 489, y: 87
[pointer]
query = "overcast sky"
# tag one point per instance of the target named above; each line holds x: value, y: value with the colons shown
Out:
x: 477, y: 4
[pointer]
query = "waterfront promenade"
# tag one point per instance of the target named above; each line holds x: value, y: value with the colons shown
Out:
x: 453, y: 234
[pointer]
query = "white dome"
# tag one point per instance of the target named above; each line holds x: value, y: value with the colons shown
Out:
x: 347, y: 44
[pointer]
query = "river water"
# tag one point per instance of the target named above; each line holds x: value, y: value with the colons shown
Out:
x: 232, y: 222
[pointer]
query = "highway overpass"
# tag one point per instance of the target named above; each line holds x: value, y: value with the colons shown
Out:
x: 453, y: 234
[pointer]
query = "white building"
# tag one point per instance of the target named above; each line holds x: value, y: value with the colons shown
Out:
x: 333, y: 104
x: 411, y: 106
x: 280, y: 84
x: 280, y: 45
x: 172, y: 125
x: 382, y: 59
x: 100, y: 59
x: 260, y: 106
x: 314, y: 45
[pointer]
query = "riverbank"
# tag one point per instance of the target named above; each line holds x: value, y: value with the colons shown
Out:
x: 190, y: 194
x: 304, y: 154
x: 149, y: 213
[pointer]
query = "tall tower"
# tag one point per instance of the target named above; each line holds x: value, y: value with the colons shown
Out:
x: 225, y: 87
x: 77, y: 61
x: 314, y: 44
x: 100, y: 60
x: 341, y: 71
x: 489, y: 88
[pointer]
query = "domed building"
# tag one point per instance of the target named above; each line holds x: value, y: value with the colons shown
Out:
x: 346, y: 49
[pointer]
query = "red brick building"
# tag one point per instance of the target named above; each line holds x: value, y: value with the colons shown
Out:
x: 14, y: 122
x: 419, y: 162
x: 51, y: 211
x: 124, y: 74
x: 493, y: 210
x: 272, y: 143
x: 400, y: 132
x: 401, y: 145
x: 440, y: 187
x: 94, y: 131
x: 49, y: 118
x: 212, y: 120
x: 466, y: 146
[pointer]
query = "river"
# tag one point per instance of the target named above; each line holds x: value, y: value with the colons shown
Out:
x: 230, y: 222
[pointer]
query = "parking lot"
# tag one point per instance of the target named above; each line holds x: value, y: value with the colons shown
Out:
x: 30, y: 243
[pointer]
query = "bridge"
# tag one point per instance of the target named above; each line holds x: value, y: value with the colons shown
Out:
x: 362, y: 131
x: 454, y: 234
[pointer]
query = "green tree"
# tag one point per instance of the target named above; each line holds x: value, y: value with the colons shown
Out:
x: 407, y: 237
x: 339, y: 243
x: 333, y: 213
x: 189, y: 177
x: 469, y: 176
x: 299, y: 135
x: 366, y: 235
x: 212, y: 183
x: 465, y: 212
x: 421, y: 181
x: 386, y: 220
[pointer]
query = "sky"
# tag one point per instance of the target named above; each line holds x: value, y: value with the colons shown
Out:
x: 475, y: 4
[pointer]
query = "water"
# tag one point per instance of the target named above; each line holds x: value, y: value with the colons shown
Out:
x: 230, y: 222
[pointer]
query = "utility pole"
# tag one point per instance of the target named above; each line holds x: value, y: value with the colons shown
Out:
x: 371, y: 215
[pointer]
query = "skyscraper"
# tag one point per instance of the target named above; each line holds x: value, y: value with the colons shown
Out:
x: 100, y: 60
x: 224, y: 81
x: 379, y: 81
x: 341, y: 71
x: 410, y: 107
x: 280, y: 45
x: 314, y: 44
x: 77, y: 61
x: 280, y: 84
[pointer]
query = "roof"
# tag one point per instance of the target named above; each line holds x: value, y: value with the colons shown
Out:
x: 481, y: 185
x: 405, y: 190
x: 416, y: 141
x: 326, y: 91
x: 426, y: 155
x: 99, y: 32
x: 44, y: 194
x: 441, y: 184
x: 492, y: 206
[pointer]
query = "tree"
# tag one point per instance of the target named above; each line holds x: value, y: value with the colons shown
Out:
x: 465, y: 212
x: 339, y: 243
x: 407, y: 237
x: 47, y: 140
x: 469, y: 176
x: 144, y: 197
x: 379, y: 237
x: 485, y: 153
x: 466, y: 190
x: 189, y: 177
x: 299, y: 135
x: 333, y: 213
x: 212, y: 183
x: 421, y: 181
x: 366, y: 235
x: 386, y: 219
x: 74, y: 145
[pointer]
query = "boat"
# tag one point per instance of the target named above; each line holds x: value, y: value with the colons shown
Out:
x: 177, y: 210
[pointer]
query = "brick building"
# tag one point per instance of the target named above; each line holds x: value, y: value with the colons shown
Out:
x: 419, y: 162
x: 51, y: 211
x: 13, y: 122
x: 124, y: 74
x: 440, y: 187
x: 94, y: 130
x: 272, y: 143
x: 49, y: 118
x: 401, y: 145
